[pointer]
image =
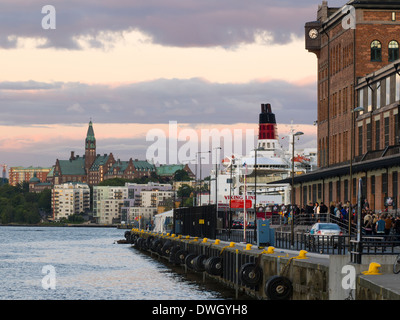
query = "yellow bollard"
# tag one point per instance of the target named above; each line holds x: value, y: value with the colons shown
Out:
x: 270, y: 250
x: 302, y: 255
x: 248, y: 246
x: 205, y: 240
x: 373, y: 269
x: 217, y: 241
x: 232, y: 244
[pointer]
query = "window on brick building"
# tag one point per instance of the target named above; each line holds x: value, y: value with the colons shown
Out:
x: 393, y: 50
x: 376, y: 51
x: 384, y: 183
x: 386, y: 131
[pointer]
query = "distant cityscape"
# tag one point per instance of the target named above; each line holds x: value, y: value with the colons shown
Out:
x: 103, y: 189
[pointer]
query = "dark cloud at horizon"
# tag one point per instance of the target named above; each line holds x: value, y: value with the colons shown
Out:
x: 193, y: 101
x: 189, y: 23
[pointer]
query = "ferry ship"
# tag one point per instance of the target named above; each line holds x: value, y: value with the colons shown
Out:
x: 254, y: 174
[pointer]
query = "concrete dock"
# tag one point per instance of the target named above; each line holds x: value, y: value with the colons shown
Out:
x: 273, y: 273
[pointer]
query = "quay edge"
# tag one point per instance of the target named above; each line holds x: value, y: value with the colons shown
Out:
x: 252, y: 271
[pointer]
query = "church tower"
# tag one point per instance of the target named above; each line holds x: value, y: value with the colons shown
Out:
x: 90, y: 148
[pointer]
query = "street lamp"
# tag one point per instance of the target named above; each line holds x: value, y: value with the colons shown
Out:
x: 299, y: 133
x: 200, y: 168
x: 216, y: 181
x: 360, y: 108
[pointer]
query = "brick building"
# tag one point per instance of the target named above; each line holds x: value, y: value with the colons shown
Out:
x: 19, y: 175
x: 357, y: 51
x: 93, y: 168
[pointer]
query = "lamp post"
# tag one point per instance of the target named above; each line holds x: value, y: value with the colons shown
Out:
x: 216, y: 181
x: 299, y: 133
x: 351, y: 160
x: 200, y: 166
x: 255, y: 193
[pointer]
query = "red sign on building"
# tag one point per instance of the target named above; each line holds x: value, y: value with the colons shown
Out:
x: 238, y: 204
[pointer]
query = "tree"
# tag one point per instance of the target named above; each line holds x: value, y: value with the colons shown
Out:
x: 44, y: 201
x: 181, y: 175
x: 184, y: 191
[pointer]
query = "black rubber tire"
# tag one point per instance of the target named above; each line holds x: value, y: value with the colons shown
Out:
x: 213, y: 266
x: 166, y: 249
x: 133, y: 239
x: 180, y: 256
x: 172, y: 254
x: 198, y: 263
x: 189, y: 260
x: 250, y: 274
x: 155, y: 244
x: 278, y: 288
x: 149, y: 241
x: 139, y: 242
x: 159, y: 247
x: 396, y: 265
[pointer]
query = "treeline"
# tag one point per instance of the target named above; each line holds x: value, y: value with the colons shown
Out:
x: 18, y: 205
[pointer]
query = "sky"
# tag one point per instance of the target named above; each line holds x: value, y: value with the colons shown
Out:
x: 134, y: 66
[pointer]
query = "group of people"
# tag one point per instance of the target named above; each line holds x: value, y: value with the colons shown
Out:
x: 373, y: 222
x: 381, y: 224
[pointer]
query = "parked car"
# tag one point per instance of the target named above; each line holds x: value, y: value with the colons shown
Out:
x: 326, y: 232
x: 237, y: 224
x: 326, y: 229
x: 250, y: 225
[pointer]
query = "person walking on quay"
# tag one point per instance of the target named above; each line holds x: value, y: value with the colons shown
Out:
x: 368, y: 223
x: 380, y: 225
x: 388, y: 224
x: 375, y: 219
x: 366, y: 205
x: 344, y: 213
x: 316, y: 212
x: 323, y: 210
x: 309, y: 212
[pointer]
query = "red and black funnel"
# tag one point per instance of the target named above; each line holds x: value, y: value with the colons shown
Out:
x: 267, y: 123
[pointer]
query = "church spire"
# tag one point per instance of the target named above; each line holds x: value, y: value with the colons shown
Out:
x: 90, y: 147
x: 90, y: 135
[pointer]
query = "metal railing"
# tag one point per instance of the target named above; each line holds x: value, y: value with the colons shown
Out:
x: 312, y: 243
x: 236, y: 235
x: 374, y: 244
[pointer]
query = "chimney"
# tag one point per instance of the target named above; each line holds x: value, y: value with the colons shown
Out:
x: 267, y: 123
x: 72, y: 156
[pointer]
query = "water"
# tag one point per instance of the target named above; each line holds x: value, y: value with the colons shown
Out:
x: 88, y: 265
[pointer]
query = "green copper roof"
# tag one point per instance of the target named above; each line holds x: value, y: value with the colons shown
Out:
x: 120, y: 165
x: 73, y: 167
x: 99, y: 161
x: 90, y: 133
x: 143, y: 165
x: 169, y: 169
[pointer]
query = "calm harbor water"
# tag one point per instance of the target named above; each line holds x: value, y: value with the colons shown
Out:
x: 86, y: 264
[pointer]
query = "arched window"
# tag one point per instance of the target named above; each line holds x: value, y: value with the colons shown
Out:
x: 376, y: 51
x: 393, y: 50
